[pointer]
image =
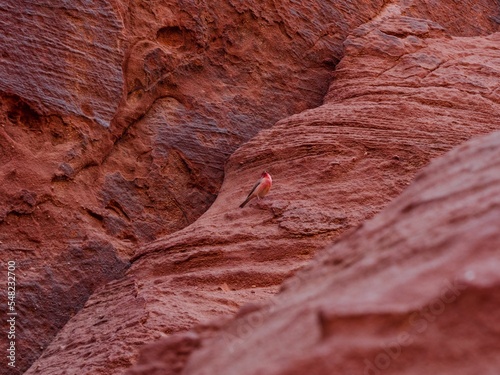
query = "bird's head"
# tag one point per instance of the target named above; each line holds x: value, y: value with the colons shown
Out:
x: 265, y: 174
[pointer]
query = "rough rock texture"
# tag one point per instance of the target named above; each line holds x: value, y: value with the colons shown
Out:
x: 414, y: 290
x: 407, y: 90
x: 117, y: 118
x: 118, y: 134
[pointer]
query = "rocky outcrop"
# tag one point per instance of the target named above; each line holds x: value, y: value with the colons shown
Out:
x: 117, y: 120
x: 413, y: 290
x: 407, y: 90
x: 117, y: 137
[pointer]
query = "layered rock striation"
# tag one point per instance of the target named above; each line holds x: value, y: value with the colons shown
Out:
x: 127, y: 127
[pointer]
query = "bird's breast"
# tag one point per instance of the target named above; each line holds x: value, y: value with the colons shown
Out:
x: 263, y: 188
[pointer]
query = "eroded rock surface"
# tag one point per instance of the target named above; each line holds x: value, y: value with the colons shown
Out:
x: 407, y: 90
x: 413, y: 290
x: 117, y: 119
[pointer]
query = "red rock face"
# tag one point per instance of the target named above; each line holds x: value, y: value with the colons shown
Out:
x: 120, y: 122
x: 408, y: 292
x: 63, y: 59
x: 117, y: 120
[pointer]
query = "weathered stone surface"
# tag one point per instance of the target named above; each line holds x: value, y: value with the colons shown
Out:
x: 412, y: 291
x: 202, y: 79
x: 60, y: 258
x: 119, y: 131
x: 63, y: 58
x: 117, y: 119
x: 401, y: 96
x: 61, y: 85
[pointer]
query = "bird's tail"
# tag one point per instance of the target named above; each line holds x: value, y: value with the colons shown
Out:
x: 245, y: 202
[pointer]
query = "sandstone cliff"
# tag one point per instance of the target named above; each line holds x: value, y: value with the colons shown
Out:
x: 131, y: 131
x: 411, y: 291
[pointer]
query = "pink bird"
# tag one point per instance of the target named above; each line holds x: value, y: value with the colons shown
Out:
x: 260, y: 189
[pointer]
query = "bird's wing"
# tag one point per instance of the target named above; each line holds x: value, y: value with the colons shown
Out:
x: 254, y: 187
